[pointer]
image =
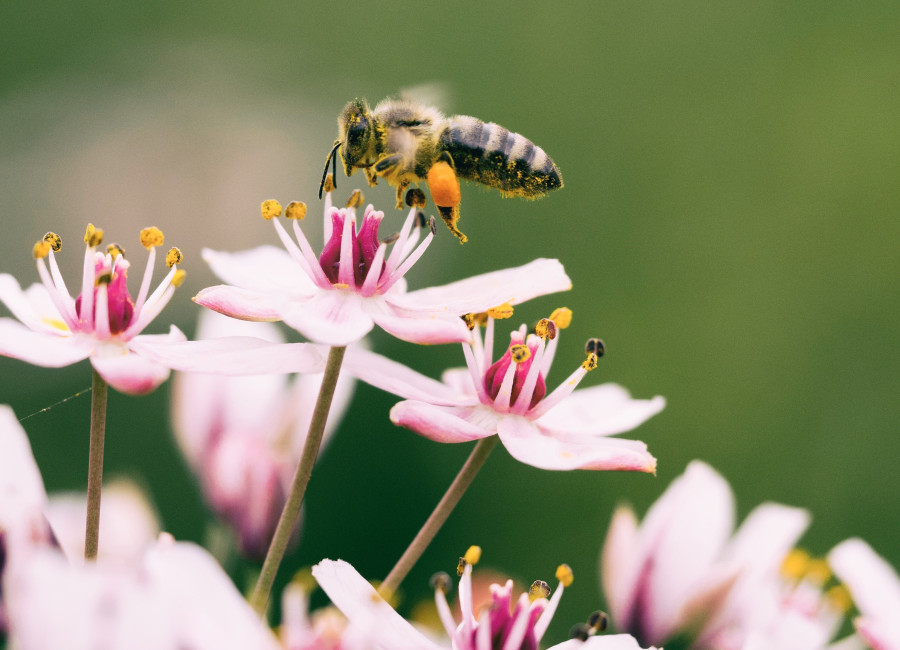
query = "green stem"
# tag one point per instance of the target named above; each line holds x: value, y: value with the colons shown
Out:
x: 99, y: 389
x: 260, y: 598
x: 439, y: 516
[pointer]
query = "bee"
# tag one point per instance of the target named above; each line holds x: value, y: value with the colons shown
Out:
x: 405, y: 142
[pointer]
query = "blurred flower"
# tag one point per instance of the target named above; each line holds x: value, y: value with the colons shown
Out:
x: 561, y: 430
x: 104, y: 324
x: 505, y: 625
x: 683, y: 573
x: 324, y: 629
x: 875, y: 588
x: 176, y: 597
x: 354, y: 284
x: 243, y: 436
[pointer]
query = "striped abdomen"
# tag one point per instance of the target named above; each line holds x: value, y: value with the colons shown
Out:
x: 487, y: 153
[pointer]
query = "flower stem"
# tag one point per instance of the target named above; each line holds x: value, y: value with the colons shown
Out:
x: 99, y: 391
x: 440, y: 514
x: 260, y: 598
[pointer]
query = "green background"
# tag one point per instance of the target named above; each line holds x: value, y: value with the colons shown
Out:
x: 729, y: 220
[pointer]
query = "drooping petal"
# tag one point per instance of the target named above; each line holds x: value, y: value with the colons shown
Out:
x: 444, y: 423
x: 482, y: 292
x: 39, y: 348
x: 393, y: 377
x: 424, y: 327
x: 331, y: 317
x: 265, y: 269
x: 875, y: 588
x: 233, y: 355
x: 384, y: 628
x: 603, y: 410
x: 245, y: 304
x: 527, y: 443
x: 126, y: 371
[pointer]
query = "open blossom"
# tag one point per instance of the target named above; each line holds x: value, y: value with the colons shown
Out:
x: 684, y: 572
x: 875, y: 588
x: 508, y: 624
x: 355, y: 284
x: 561, y: 430
x: 104, y: 323
x: 243, y: 436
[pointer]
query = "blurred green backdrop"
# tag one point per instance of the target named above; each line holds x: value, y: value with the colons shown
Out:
x: 730, y: 222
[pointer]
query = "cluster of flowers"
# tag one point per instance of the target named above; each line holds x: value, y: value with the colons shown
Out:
x: 251, y: 435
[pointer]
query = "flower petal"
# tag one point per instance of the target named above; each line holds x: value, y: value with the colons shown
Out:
x: 527, y: 443
x: 617, y: 556
x: 424, y: 327
x: 603, y: 410
x: 396, y: 378
x: 332, y: 317
x: 443, y: 423
x: 33, y: 307
x: 232, y: 355
x: 22, y: 494
x: 265, y: 269
x: 384, y: 628
x: 482, y: 292
x: 128, y: 372
x: 245, y: 304
x: 41, y: 349
x: 605, y: 642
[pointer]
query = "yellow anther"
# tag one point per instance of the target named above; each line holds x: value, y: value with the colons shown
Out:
x: 817, y: 571
x: 329, y: 184
x: 54, y: 240
x: 590, y: 362
x: 295, y: 210
x: 519, y: 353
x: 151, y: 237
x: 794, y: 564
x: 473, y: 555
x: 173, y: 257
x: 355, y: 200
x: 41, y: 249
x: 546, y: 329
x: 562, y: 316
x: 839, y: 598
x: 93, y: 236
x: 304, y: 579
x: 461, y: 566
x: 501, y: 311
x: 114, y: 250
x: 538, y: 589
x: 470, y: 320
x: 178, y: 278
x: 340, y: 285
x: 270, y: 209
x: 564, y: 574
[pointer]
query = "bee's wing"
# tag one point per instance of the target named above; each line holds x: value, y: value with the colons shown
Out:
x: 430, y: 93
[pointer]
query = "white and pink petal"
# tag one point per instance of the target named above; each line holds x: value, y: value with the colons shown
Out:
x: 265, y: 269
x: 396, y: 378
x: 126, y: 371
x: 41, y: 348
x: 245, y: 304
x: 335, y: 317
x: 423, y: 327
x: 444, y: 423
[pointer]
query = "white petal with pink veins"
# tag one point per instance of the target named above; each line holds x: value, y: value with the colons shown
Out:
x: 42, y: 349
x: 244, y: 304
x: 603, y: 410
x: 266, y: 269
x: 444, y: 423
x: 482, y: 292
x: 525, y: 442
x: 333, y: 317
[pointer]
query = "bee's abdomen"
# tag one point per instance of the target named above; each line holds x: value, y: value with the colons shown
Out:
x: 490, y: 154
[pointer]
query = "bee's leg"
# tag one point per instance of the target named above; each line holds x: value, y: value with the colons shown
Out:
x: 370, y: 176
x: 402, y: 186
x: 444, y: 186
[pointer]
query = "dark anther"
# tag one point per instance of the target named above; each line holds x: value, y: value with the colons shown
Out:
x: 391, y: 238
x: 598, y: 621
x: 595, y: 346
x: 461, y: 566
x: 415, y: 197
x: 421, y: 219
x: 580, y: 631
x: 440, y: 581
x: 332, y: 158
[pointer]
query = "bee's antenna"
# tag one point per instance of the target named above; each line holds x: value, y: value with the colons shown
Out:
x: 332, y: 158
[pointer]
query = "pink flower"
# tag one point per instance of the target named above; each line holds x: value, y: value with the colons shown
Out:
x: 684, y: 572
x: 104, y: 323
x: 243, y: 436
x: 506, y: 625
x: 355, y: 284
x: 563, y: 429
x: 875, y: 588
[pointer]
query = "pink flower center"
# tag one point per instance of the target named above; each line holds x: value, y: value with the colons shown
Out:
x: 120, y: 304
x: 363, y: 246
x: 493, y: 378
x: 501, y: 620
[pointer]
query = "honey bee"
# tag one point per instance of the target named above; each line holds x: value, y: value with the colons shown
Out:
x: 405, y: 142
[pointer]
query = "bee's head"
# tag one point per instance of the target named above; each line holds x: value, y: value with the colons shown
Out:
x: 357, y: 134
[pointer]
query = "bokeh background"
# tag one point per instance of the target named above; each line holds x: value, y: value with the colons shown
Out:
x: 729, y: 219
